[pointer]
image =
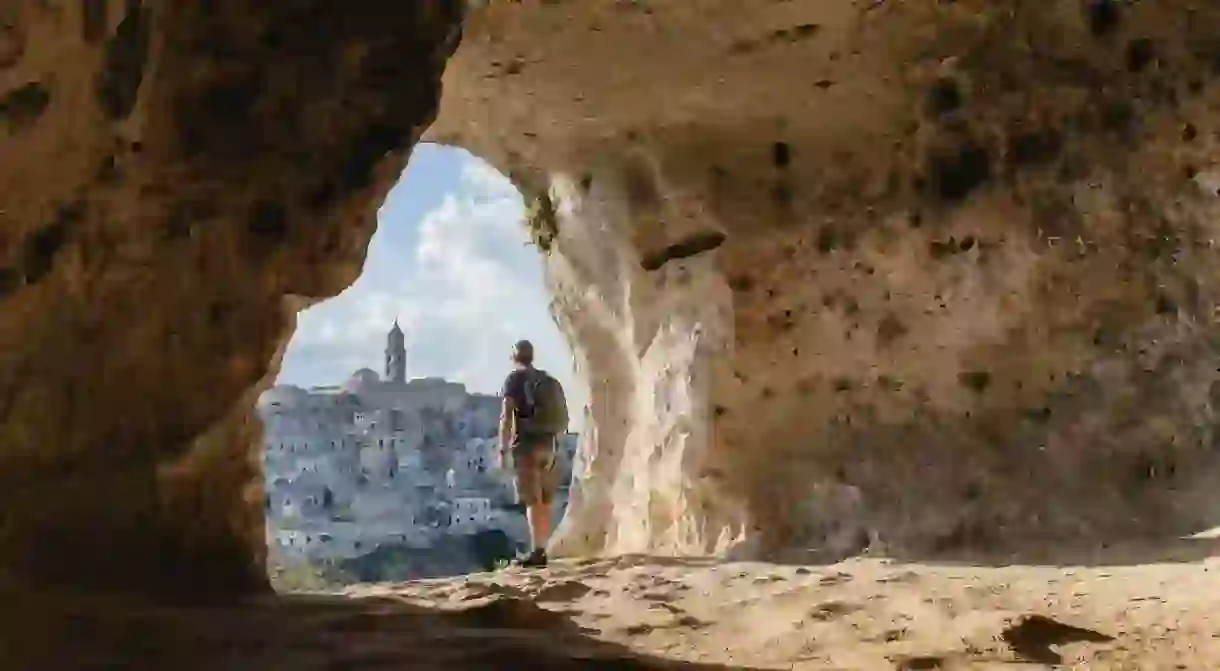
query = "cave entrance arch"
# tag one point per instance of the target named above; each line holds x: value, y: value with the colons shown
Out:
x: 385, y: 410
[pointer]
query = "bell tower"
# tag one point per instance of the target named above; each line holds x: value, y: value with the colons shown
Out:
x: 396, y: 355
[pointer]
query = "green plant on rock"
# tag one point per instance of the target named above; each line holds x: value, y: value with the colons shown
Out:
x: 542, y: 222
x: 301, y: 576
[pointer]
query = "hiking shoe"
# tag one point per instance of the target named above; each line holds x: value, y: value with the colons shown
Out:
x: 535, y: 559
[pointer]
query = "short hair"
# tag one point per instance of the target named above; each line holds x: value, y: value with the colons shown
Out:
x: 523, y: 352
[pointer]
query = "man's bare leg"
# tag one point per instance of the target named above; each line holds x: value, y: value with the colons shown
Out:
x: 539, y: 517
x: 536, y: 469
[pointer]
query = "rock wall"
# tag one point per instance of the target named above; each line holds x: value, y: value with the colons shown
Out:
x: 171, y: 172
x: 934, y: 276
x: 650, y: 344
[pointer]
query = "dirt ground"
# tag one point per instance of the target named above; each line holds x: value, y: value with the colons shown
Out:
x: 655, y: 613
x: 871, y: 613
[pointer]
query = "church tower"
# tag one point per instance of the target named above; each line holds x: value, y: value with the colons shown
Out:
x: 396, y: 355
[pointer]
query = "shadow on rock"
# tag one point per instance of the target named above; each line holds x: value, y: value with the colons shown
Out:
x: 303, y: 633
x: 1033, y: 636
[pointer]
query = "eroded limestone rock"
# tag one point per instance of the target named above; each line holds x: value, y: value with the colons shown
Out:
x: 939, y: 276
x: 170, y: 172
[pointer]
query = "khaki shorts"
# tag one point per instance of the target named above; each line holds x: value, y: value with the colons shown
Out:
x: 535, y: 471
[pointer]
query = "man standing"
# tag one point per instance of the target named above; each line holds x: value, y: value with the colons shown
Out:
x: 533, y: 415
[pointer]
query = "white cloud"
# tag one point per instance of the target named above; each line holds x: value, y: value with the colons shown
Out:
x: 467, y: 245
x: 486, y: 180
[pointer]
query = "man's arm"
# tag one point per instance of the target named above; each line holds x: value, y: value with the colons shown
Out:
x: 508, y: 415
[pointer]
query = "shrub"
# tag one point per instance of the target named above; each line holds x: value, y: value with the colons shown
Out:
x: 541, y: 222
x: 301, y: 576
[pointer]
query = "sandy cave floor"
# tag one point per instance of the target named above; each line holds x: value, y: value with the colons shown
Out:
x: 652, y: 613
x: 870, y: 614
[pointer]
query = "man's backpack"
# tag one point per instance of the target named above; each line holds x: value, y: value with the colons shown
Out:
x: 546, y: 407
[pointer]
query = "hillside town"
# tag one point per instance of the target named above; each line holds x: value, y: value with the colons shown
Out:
x: 387, y: 464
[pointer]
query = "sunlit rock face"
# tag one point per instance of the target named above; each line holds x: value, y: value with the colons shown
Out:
x: 170, y: 172
x: 937, y: 277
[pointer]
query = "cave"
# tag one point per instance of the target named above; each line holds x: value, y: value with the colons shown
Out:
x: 936, y: 275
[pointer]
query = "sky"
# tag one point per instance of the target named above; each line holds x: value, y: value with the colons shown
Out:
x: 450, y: 260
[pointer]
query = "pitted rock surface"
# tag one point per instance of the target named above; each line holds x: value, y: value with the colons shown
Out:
x: 172, y: 174
x: 937, y: 277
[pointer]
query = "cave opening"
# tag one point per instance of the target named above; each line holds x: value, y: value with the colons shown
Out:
x: 380, y: 430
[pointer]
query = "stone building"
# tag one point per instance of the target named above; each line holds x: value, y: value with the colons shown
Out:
x: 385, y: 461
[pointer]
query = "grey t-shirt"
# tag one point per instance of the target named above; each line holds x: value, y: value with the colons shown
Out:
x: 514, y: 388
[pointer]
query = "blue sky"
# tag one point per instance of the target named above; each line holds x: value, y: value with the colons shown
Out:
x: 450, y: 261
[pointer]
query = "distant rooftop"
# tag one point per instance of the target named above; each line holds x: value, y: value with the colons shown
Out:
x: 326, y: 389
